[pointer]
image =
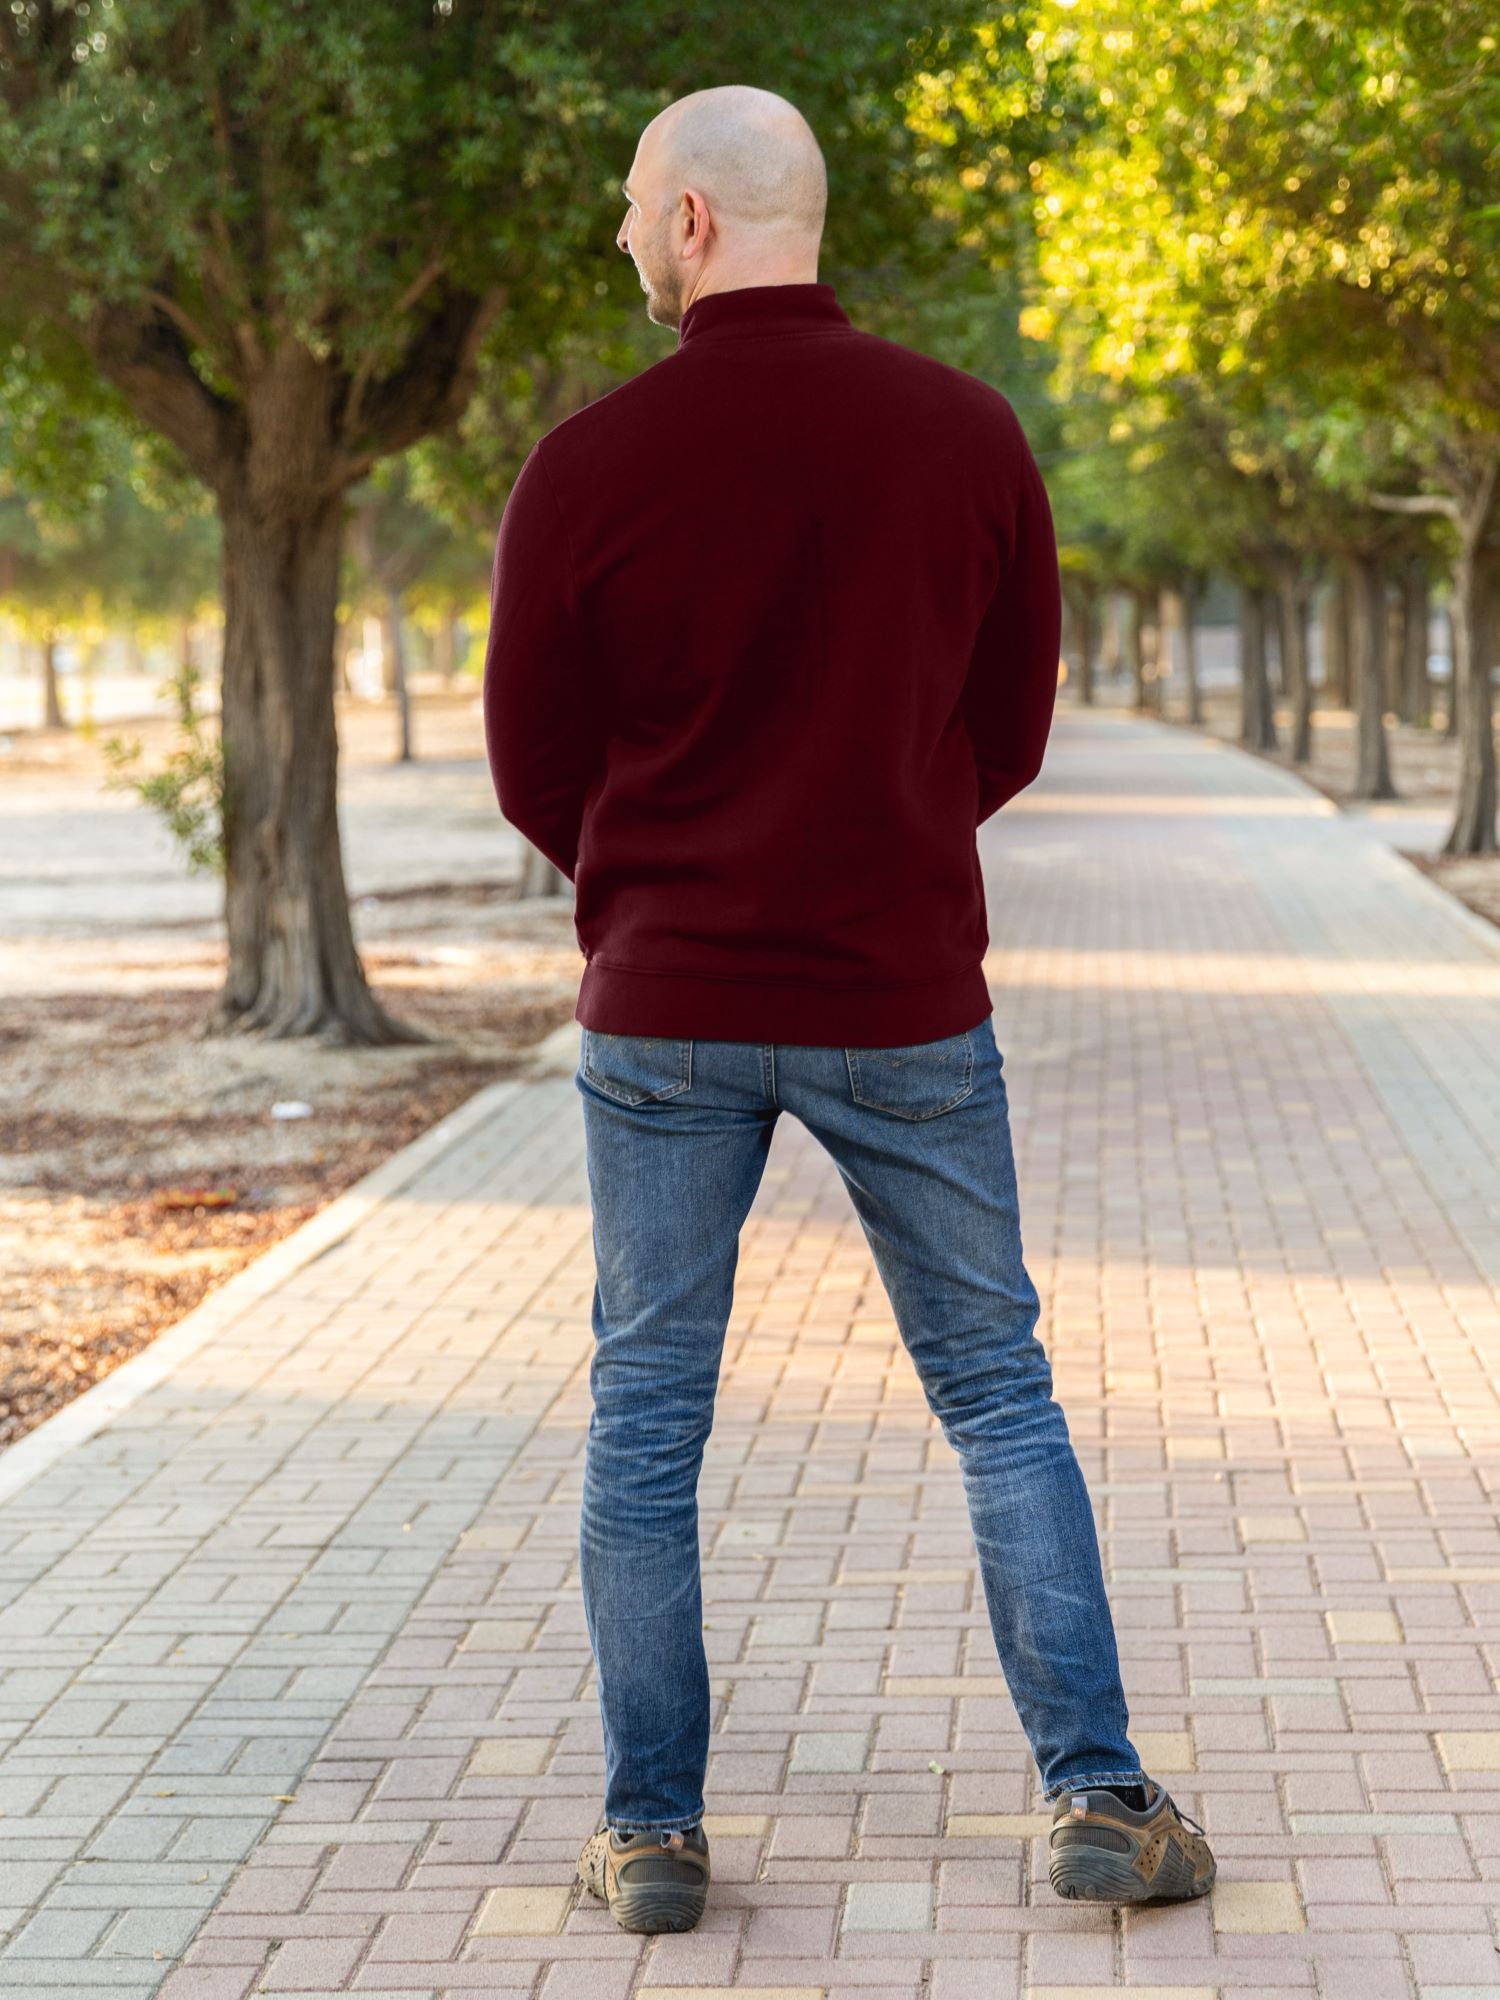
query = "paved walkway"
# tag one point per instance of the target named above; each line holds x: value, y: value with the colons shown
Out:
x: 296, y: 1692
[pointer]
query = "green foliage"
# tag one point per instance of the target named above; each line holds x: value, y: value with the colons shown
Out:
x: 1259, y: 187
x: 237, y: 179
x: 187, y: 793
x: 62, y: 439
x: 97, y: 523
x: 1262, y: 259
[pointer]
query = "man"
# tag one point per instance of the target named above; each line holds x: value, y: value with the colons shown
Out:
x: 774, y: 628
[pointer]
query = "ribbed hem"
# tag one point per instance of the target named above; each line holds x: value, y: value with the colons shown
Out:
x: 1094, y: 1782
x: 626, y: 1827
x: 618, y: 1002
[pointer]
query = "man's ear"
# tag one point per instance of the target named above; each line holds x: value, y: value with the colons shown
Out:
x: 695, y: 221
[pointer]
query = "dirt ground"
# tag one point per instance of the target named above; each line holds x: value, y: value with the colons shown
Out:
x: 141, y: 1162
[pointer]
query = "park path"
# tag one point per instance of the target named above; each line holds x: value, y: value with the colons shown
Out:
x: 295, y: 1682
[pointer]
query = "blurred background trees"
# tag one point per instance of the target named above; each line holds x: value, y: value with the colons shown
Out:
x: 1282, y: 224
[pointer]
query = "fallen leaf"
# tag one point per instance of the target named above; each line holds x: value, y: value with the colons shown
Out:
x: 197, y: 1197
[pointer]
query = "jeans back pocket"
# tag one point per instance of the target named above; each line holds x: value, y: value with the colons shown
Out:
x: 916, y: 1080
x: 637, y: 1069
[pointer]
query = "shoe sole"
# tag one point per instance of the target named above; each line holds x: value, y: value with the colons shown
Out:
x: 658, y: 1906
x: 654, y: 1906
x: 1090, y: 1875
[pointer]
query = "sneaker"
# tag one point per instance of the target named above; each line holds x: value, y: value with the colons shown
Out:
x: 1105, y: 1852
x: 651, y: 1881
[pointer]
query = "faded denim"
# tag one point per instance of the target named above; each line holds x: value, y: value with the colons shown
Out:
x: 677, y: 1135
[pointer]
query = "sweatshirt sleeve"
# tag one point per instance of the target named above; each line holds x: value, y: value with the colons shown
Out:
x: 539, y: 728
x: 1011, y: 687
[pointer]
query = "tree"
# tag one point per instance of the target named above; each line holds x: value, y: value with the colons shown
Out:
x: 283, y: 234
x: 395, y: 540
x: 1257, y: 711
x: 1245, y: 195
x: 1139, y: 511
x: 280, y: 234
x: 119, y: 541
x: 1469, y: 507
x: 35, y: 594
x: 1322, y: 179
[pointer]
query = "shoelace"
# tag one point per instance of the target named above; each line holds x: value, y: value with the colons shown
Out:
x: 1191, y: 1824
x: 673, y: 1842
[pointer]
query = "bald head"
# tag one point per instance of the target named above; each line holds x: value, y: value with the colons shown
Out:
x: 750, y: 152
x: 728, y: 188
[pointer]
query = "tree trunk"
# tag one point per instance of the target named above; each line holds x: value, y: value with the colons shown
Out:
x: 1336, y: 644
x: 1257, y: 716
x: 394, y: 650
x: 1153, y: 649
x: 445, y: 644
x: 1275, y: 658
x: 1416, y: 608
x: 1167, y: 621
x: 1473, y: 830
x: 539, y: 876
x: 1450, y: 714
x: 387, y: 652
x: 1366, y: 597
x: 1189, y: 603
x: 343, y: 645
x: 293, y: 967
x: 1080, y: 602
x: 1394, y: 654
x: 1269, y: 625
x: 89, y: 669
x: 55, y: 719
x: 1111, y: 652
x: 187, y: 658
x: 1133, y: 633
x: 1291, y: 603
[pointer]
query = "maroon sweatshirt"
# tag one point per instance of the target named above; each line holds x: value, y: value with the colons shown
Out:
x: 774, y: 627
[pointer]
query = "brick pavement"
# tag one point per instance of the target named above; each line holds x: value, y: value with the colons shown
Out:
x: 294, y: 1685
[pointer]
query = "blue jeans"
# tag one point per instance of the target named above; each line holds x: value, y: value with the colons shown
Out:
x: 677, y: 1134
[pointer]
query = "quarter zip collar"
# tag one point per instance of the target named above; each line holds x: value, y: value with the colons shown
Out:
x: 755, y: 310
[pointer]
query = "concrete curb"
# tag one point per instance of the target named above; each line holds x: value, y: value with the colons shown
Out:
x: 89, y: 1413
x: 1482, y: 932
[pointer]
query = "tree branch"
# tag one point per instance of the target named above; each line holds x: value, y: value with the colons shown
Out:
x: 223, y: 263
x: 174, y: 312
x: 426, y: 277
x: 1417, y: 503
x: 147, y: 361
x: 429, y: 390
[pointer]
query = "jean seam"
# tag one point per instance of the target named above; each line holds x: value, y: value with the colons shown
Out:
x: 966, y: 1089
x: 662, y: 1095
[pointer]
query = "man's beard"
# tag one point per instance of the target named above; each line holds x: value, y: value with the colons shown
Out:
x: 661, y: 279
